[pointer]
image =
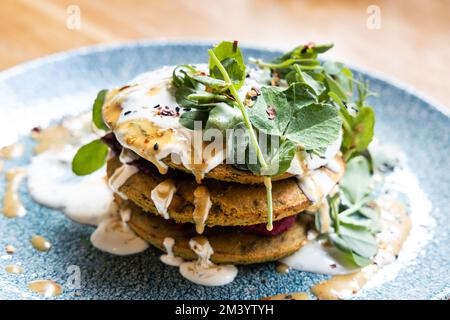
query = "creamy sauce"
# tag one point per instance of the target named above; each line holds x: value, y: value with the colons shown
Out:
x: 343, y: 286
x: 202, y: 203
x: 203, y: 271
x: 315, y: 257
x: 51, y: 182
x: 12, y: 151
x: 114, y: 236
x: 282, y: 268
x: 289, y: 296
x: 10, y: 249
x: 169, y: 258
x: 334, y: 165
x: 120, y: 176
x: 316, y: 185
x: 14, y: 269
x: 162, y: 196
x: 46, y: 288
x: 126, y: 156
x: 12, y: 206
x: 325, y: 219
x: 40, y: 243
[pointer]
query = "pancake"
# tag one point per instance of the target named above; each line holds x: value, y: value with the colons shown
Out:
x: 230, y: 245
x: 233, y: 204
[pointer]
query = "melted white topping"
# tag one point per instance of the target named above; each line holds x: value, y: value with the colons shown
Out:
x: 169, y: 258
x: 51, y: 182
x: 202, y: 203
x: 316, y: 185
x: 314, y: 257
x: 203, y: 271
x: 162, y: 196
x: 120, y: 176
x: 114, y: 236
x: 126, y: 156
x: 334, y: 165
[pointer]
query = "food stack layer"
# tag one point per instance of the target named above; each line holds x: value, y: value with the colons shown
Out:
x: 153, y: 174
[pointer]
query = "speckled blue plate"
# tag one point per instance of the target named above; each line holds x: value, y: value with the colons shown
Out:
x: 44, y: 90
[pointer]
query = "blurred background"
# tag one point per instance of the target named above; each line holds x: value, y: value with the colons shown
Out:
x: 407, y: 40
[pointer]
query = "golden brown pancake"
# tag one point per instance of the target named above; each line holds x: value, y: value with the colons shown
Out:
x: 230, y: 245
x: 233, y: 204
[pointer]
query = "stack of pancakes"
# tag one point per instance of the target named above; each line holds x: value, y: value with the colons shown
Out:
x: 236, y: 222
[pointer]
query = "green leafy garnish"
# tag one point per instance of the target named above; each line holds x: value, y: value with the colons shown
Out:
x: 97, y: 117
x: 355, y: 222
x: 232, y: 60
x: 89, y: 158
x: 296, y: 118
x: 332, y: 83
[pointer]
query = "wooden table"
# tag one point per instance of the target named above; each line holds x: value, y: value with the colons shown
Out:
x: 411, y: 41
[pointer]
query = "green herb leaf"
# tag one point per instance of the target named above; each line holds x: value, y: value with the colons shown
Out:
x: 272, y: 112
x: 315, y: 127
x: 224, y: 117
x: 97, y: 116
x: 356, y: 180
x: 188, y: 118
x: 89, y: 158
x: 230, y: 56
x: 278, y: 159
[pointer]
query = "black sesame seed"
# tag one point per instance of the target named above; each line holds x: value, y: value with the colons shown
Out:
x: 127, y: 113
x: 177, y: 109
x: 187, y: 109
x: 157, y: 106
x: 155, y: 147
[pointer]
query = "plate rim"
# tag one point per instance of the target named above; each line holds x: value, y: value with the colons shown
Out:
x: 22, y: 68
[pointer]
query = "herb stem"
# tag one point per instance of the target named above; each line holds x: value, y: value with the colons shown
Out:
x: 268, y: 184
x: 241, y: 106
x: 299, y: 73
x: 287, y: 64
x: 262, y: 161
x: 355, y: 207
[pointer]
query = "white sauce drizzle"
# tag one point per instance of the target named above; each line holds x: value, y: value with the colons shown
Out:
x: 114, y: 236
x: 334, y: 165
x: 169, y: 258
x: 51, y: 182
x: 315, y: 257
x: 126, y: 156
x: 203, y: 271
x: 316, y: 185
x: 202, y: 203
x: 162, y: 196
x: 120, y: 176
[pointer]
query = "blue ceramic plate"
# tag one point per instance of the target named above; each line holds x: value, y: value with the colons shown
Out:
x: 44, y: 90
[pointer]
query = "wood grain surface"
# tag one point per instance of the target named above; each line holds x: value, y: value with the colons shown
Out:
x: 408, y: 40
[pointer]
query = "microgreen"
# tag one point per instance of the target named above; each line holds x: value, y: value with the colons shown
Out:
x: 89, y: 158
x: 355, y: 223
x: 92, y: 156
x: 97, y: 117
